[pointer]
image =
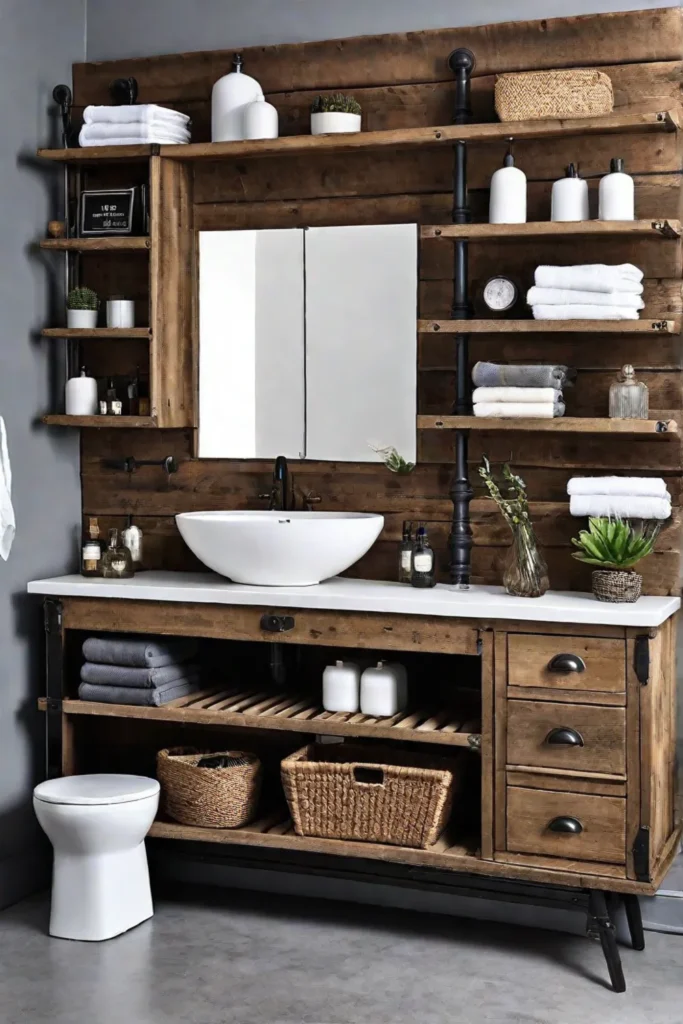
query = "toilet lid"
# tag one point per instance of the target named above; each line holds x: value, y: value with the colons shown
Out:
x: 96, y: 789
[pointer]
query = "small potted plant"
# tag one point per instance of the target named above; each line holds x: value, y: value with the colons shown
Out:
x: 82, y: 307
x: 336, y: 113
x: 615, y: 546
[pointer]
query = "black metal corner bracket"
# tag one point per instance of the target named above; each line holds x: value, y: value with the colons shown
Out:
x: 641, y: 854
x: 641, y: 659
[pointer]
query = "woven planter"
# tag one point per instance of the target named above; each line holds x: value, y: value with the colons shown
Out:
x: 350, y: 792
x: 209, y: 797
x: 615, y: 586
x: 533, y: 95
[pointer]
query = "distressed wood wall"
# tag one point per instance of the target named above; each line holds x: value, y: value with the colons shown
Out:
x: 403, y: 80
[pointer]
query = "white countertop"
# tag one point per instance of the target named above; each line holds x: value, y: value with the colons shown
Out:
x: 339, y: 594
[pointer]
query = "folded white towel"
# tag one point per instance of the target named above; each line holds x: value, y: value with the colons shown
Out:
x: 617, y: 506
x: 136, y: 113
x: 7, y: 520
x: 155, y: 136
x: 520, y: 410
x: 570, y: 297
x: 584, y: 312
x: 513, y: 394
x: 630, y: 486
x: 591, y: 277
x: 99, y: 133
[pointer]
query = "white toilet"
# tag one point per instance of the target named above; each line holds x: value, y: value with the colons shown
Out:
x: 97, y: 826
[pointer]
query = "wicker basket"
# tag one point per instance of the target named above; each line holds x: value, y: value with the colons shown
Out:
x: 209, y: 797
x: 618, y: 587
x: 353, y: 792
x: 543, y: 94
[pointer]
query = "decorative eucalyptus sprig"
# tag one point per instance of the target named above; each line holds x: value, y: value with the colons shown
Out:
x: 515, y: 507
x: 336, y: 103
x: 82, y: 298
x: 614, y: 543
x: 394, y: 462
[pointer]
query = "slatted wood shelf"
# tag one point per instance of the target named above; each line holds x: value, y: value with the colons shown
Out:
x: 547, y: 326
x: 558, y: 425
x: 656, y: 229
x: 295, y: 713
x: 103, y: 422
x: 103, y: 333
x: 114, y: 243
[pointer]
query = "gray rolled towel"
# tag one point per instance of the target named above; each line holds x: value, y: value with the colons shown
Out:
x: 142, y: 652
x: 143, y: 678
x: 497, y: 375
x: 134, y: 695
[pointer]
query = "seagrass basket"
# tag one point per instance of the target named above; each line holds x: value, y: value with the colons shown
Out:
x: 209, y: 797
x: 532, y: 95
x: 352, y: 792
x: 615, y: 586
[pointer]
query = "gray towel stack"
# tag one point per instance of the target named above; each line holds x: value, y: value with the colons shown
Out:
x: 142, y: 671
x: 500, y: 375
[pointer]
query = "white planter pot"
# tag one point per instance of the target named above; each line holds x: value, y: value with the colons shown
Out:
x: 332, y: 122
x: 81, y: 319
x: 120, y: 313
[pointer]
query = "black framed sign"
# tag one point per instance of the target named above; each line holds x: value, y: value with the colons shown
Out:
x: 108, y: 212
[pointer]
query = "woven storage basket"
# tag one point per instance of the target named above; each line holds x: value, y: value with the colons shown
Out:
x: 353, y: 792
x: 618, y: 587
x: 209, y: 797
x: 543, y: 94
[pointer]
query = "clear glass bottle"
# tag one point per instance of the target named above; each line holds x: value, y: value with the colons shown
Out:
x: 405, y: 554
x: 131, y: 538
x: 91, y: 552
x: 117, y: 561
x: 628, y: 398
x: 423, y: 570
x: 111, y: 404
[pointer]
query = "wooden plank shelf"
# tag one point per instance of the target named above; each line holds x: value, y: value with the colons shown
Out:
x: 114, y: 243
x: 547, y: 326
x: 295, y: 713
x: 102, y: 422
x: 99, y: 154
x: 559, y: 425
x: 103, y: 333
x: 655, y: 229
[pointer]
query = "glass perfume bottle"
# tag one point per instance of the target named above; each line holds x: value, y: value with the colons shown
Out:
x: 111, y: 404
x: 91, y: 552
x: 405, y: 554
x: 628, y: 397
x: 423, y: 573
x: 131, y: 538
x: 117, y: 561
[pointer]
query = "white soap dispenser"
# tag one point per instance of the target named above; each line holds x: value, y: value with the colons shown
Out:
x: 616, y: 194
x: 261, y: 120
x: 341, y: 687
x: 507, y: 204
x: 569, y: 197
x: 380, y: 691
x: 81, y: 395
x: 231, y: 95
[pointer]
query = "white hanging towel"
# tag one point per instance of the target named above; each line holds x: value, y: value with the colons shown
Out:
x: 7, y: 520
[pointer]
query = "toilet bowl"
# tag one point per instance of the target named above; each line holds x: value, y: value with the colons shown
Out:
x: 97, y: 826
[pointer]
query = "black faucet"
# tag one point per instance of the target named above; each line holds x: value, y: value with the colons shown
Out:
x: 279, y: 496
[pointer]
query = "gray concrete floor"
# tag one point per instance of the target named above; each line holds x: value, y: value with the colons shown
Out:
x: 211, y: 957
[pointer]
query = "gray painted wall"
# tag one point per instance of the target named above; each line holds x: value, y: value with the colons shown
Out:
x: 39, y: 39
x: 141, y: 28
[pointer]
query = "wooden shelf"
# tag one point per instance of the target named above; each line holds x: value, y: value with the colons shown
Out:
x: 547, y: 326
x: 99, y: 154
x: 295, y: 713
x: 657, y: 229
x: 104, y: 333
x: 102, y: 422
x: 559, y: 425
x: 112, y: 243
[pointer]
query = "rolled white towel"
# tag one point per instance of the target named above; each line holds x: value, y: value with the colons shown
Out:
x: 584, y: 312
x: 570, y: 297
x: 618, y: 506
x: 101, y: 132
x: 519, y: 410
x: 630, y: 486
x: 591, y: 277
x: 135, y: 113
x: 514, y: 394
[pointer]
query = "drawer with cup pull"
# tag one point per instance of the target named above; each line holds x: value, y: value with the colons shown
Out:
x: 567, y: 662
x: 581, y: 737
x: 576, y: 826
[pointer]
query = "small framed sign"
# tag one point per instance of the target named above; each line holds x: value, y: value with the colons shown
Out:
x: 108, y: 212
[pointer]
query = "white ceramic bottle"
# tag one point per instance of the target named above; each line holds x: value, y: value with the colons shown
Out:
x: 616, y: 194
x: 507, y: 202
x: 569, y: 197
x: 381, y: 689
x: 81, y: 395
x: 231, y: 95
x: 341, y: 687
x: 261, y: 120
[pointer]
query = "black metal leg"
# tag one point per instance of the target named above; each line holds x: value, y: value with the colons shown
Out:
x: 608, y: 938
x: 635, y: 921
x: 54, y: 673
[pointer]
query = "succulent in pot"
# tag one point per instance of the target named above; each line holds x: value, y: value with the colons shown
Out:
x: 335, y: 113
x: 82, y: 308
x: 615, y: 546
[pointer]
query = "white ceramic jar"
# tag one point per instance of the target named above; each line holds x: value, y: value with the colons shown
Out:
x: 81, y: 395
x: 261, y: 120
x: 341, y: 687
x: 333, y: 122
x: 121, y: 313
x: 616, y: 194
x: 381, y: 690
x: 507, y: 201
x: 230, y: 98
x: 569, y: 198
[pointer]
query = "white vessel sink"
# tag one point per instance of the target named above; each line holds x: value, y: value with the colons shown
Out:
x: 279, y: 549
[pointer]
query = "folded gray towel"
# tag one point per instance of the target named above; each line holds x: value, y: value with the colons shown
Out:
x: 138, y: 653
x: 135, y: 695
x: 496, y: 375
x: 143, y: 678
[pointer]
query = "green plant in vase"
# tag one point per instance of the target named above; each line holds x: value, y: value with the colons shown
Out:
x: 526, y: 573
x: 615, y: 546
x: 82, y: 307
x: 335, y: 113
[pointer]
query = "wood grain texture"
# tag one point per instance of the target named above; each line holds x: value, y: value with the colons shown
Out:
x: 487, y: 748
x: 664, y: 428
x: 663, y: 229
x: 603, y: 821
x: 112, y: 244
x: 101, y: 333
x: 529, y: 658
x: 602, y: 731
x: 530, y: 779
x: 546, y: 326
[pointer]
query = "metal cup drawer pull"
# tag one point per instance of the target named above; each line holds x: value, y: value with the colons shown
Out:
x: 572, y: 826
x: 565, y: 663
x: 564, y: 736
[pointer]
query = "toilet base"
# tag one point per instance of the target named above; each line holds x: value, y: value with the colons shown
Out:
x: 98, y: 896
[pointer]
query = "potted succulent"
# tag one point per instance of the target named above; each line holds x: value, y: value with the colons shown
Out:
x: 82, y: 307
x: 335, y: 113
x: 615, y: 546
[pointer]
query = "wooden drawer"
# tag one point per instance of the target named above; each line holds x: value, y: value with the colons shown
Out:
x: 536, y: 820
x: 599, y: 664
x: 540, y: 734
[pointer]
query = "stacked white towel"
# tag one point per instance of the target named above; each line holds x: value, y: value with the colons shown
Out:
x: 619, y: 497
x: 134, y: 124
x: 591, y: 292
x: 521, y: 403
